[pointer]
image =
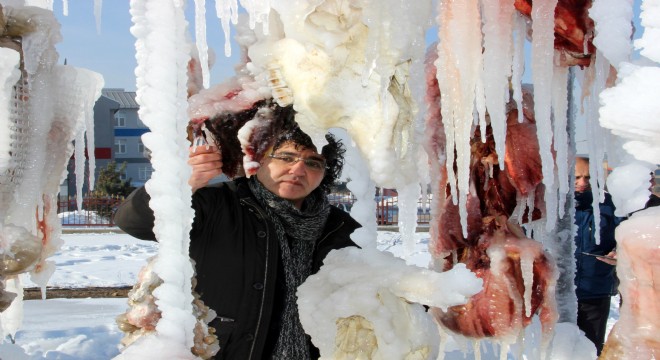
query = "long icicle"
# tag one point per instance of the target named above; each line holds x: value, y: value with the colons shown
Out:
x: 162, y: 55
x: 458, y: 64
x: 543, y: 24
x: 498, y: 58
x: 200, y: 40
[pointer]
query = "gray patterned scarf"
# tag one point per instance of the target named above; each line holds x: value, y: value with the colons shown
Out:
x: 297, y: 233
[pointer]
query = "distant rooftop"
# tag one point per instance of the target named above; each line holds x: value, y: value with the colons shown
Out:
x: 126, y: 99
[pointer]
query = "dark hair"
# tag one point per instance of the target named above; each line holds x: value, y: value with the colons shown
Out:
x: 282, y: 126
x: 333, y: 153
x: 225, y: 126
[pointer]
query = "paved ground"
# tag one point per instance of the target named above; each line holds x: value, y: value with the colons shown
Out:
x: 93, y: 292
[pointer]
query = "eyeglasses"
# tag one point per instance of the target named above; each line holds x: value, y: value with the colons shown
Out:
x: 313, y: 164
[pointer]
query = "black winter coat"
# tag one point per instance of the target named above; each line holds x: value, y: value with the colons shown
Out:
x: 594, y: 278
x: 236, y: 254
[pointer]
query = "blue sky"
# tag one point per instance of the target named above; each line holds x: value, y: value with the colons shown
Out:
x: 112, y: 51
x: 112, y: 54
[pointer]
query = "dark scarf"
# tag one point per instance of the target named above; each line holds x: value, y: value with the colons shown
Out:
x: 584, y: 200
x: 297, y: 233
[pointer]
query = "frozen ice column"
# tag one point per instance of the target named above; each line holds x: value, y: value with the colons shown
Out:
x: 635, y: 335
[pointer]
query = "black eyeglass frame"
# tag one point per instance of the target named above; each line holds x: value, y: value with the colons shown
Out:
x: 310, y: 163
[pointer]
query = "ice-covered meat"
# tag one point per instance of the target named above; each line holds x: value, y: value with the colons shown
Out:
x: 340, y: 73
x: 573, y: 30
x: 519, y: 277
x: 509, y: 300
x: 47, y: 106
x: 366, y: 304
x: 635, y: 335
x: 20, y: 250
x: 143, y: 315
x: 523, y: 162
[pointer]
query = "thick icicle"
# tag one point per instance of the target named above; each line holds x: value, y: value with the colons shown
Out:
x: 527, y: 270
x: 89, y: 132
x: 162, y: 56
x: 407, y: 220
x: 227, y: 10
x: 258, y: 11
x: 518, y: 67
x: 613, y: 21
x: 9, y: 75
x: 200, y: 40
x: 476, y: 349
x: 560, y: 112
x: 459, y: 59
x: 543, y: 24
x: 597, y: 136
x: 98, y: 5
x: 497, y: 63
x: 80, y: 168
x: 362, y: 187
x: 560, y: 242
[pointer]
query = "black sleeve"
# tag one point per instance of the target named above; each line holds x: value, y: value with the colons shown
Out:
x: 135, y: 217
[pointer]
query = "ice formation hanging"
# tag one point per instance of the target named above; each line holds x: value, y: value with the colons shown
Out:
x: 44, y: 108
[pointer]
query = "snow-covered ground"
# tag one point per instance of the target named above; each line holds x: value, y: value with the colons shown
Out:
x: 75, y: 329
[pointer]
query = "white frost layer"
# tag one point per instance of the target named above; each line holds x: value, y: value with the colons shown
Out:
x: 9, y: 75
x: 44, y: 4
x: 322, y: 50
x: 73, y: 112
x: 162, y: 55
x: 629, y: 186
x: 359, y: 282
x: 638, y: 247
x: 649, y: 43
x: 146, y: 348
x: 613, y: 23
x: 628, y: 109
x: 11, y: 319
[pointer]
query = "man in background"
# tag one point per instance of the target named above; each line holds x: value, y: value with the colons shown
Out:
x: 595, y: 277
x: 654, y: 200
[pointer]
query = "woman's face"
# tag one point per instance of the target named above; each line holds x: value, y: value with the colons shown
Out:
x: 292, y: 173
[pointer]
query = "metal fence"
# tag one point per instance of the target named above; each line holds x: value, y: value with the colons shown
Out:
x: 98, y: 211
x: 387, y: 208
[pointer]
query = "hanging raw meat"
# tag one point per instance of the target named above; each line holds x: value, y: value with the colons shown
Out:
x: 574, y: 30
x: 519, y: 276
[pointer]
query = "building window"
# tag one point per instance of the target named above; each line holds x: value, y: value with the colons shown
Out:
x: 120, y: 120
x: 144, y: 173
x: 122, y: 176
x: 120, y: 146
x: 140, y: 147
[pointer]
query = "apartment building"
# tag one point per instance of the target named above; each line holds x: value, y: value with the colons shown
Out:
x: 117, y: 137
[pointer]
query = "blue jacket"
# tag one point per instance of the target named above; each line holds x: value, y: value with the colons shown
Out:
x: 594, y: 278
